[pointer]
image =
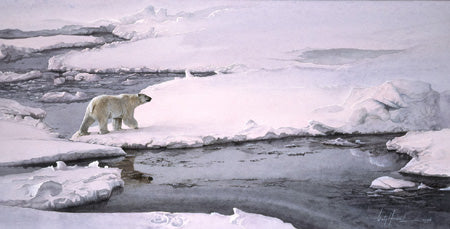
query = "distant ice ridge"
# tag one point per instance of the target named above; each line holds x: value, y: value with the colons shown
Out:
x: 13, y: 49
x: 430, y: 152
x: 59, y: 187
x: 263, y: 105
x: 31, y: 218
x: 26, y: 140
x: 9, y: 77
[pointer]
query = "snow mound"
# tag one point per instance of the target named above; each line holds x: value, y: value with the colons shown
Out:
x: 59, y: 187
x: 63, y: 97
x: 31, y: 218
x: 387, y: 182
x: 394, y: 106
x: 9, y: 77
x: 430, y: 152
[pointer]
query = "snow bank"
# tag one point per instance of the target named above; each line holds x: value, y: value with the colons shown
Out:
x: 387, y: 182
x: 26, y: 140
x: 59, y: 187
x: 8, y: 77
x: 63, y: 97
x: 30, y: 218
x: 429, y: 151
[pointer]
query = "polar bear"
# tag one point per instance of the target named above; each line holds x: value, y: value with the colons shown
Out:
x: 118, y: 107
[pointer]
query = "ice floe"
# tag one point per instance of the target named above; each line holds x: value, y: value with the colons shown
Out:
x: 192, y: 112
x: 31, y: 218
x: 13, y: 49
x: 8, y: 77
x: 429, y: 151
x: 63, y: 97
x: 387, y: 182
x: 25, y: 139
x: 59, y: 187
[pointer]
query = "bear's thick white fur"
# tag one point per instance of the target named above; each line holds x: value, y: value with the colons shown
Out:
x: 118, y: 107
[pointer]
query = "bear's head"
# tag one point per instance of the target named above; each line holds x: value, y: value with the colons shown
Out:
x: 144, y: 98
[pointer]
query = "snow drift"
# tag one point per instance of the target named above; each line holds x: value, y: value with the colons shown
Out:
x: 430, y: 152
x: 59, y: 187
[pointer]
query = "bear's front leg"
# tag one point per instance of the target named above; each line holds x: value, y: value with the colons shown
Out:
x: 131, y: 122
x: 117, y: 123
x: 103, y: 123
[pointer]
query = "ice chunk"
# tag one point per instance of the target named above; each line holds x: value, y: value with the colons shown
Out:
x: 61, y: 97
x: 387, y: 182
x: 429, y: 151
x: 12, y: 108
x: 340, y: 142
x: 8, y: 77
x: 87, y: 77
x: 62, y: 187
x: 59, y: 80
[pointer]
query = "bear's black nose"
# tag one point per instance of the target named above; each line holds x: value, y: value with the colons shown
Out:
x: 148, y: 99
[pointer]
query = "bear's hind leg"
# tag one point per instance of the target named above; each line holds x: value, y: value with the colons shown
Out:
x: 103, y: 124
x: 117, y: 123
x: 87, y: 122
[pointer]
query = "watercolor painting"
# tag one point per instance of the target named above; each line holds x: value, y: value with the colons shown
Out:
x: 224, y: 114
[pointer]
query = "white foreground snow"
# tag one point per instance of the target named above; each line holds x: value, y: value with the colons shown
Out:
x: 59, y: 187
x: 387, y: 182
x: 61, y: 97
x: 11, y: 217
x: 25, y: 139
x: 8, y: 77
x: 430, y: 152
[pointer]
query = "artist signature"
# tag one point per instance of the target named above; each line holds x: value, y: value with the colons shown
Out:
x: 387, y: 217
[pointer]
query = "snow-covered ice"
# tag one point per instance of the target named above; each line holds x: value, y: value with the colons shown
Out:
x: 31, y: 218
x: 430, y: 152
x: 390, y: 43
x: 59, y: 187
x: 8, y: 77
x: 13, y: 49
x: 262, y: 105
x: 25, y: 139
x: 387, y: 182
x: 62, y: 97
